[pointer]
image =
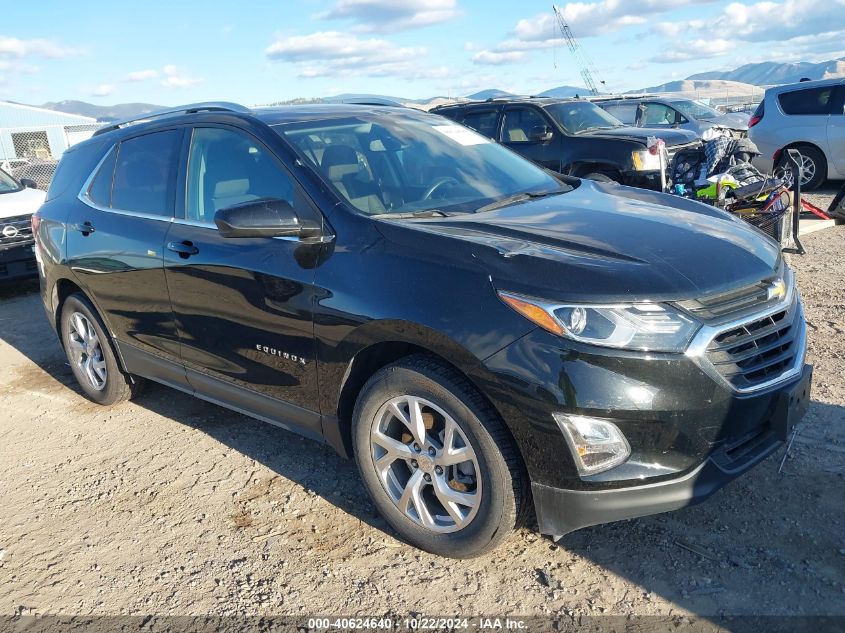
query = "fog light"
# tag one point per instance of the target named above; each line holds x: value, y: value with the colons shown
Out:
x: 597, y: 445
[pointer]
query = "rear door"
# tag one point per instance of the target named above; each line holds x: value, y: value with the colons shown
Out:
x: 115, y: 245
x: 519, y: 129
x: 244, y: 306
x: 836, y: 132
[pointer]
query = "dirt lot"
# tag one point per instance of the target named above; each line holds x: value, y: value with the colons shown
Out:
x: 169, y: 505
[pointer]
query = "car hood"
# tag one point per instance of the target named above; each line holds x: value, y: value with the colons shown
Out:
x: 732, y: 120
x: 600, y: 242
x: 670, y: 136
x: 20, y: 202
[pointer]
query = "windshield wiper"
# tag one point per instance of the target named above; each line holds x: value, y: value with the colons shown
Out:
x: 428, y: 213
x: 516, y: 198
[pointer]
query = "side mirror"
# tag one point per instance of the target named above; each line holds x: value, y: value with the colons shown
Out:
x: 541, y: 134
x: 29, y: 183
x: 266, y: 217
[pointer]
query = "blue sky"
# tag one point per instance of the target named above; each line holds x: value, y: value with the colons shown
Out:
x: 260, y: 51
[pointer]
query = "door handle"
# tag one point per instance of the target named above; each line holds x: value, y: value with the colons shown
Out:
x: 184, y: 249
x: 86, y: 228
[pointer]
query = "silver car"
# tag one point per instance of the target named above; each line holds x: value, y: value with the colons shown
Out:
x: 807, y: 116
x: 677, y: 112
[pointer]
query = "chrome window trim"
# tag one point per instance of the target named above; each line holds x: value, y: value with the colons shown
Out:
x: 697, y: 349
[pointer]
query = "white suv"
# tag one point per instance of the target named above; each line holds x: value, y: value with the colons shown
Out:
x: 807, y: 116
x: 18, y: 201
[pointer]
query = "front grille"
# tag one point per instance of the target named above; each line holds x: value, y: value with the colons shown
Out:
x: 760, y: 350
x: 15, y: 230
x: 753, y: 297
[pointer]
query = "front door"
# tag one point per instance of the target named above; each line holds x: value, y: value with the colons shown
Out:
x: 243, y: 306
x: 521, y: 129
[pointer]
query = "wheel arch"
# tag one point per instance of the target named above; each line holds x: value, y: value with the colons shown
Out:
x: 376, y: 354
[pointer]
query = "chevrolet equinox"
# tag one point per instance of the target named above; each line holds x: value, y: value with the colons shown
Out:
x: 483, y: 337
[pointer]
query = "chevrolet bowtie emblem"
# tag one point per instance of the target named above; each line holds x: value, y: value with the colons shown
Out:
x: 776, y: 291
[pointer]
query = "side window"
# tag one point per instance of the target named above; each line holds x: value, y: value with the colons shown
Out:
x: 226, y: 168
x: 625, y: 112
x: 518, y: 124
x: 809, y: 101
x: 145, y: 173
x: 658, y: 114
x: 100, y: 189
x: 483, y: 122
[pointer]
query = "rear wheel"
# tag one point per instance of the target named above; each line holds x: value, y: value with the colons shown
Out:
x: 91, y: 356
x: 436, y: 460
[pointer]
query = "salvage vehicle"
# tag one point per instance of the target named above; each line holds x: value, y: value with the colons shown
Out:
x: 483, y: 337
x: 808, y: 116
x: 19, y: 199
x: 573, y: 137
x: 673, y: 112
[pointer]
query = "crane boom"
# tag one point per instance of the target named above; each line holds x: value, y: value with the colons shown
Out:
x: 585, y: 65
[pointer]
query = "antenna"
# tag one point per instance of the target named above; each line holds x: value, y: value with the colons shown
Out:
x: 585, y: 64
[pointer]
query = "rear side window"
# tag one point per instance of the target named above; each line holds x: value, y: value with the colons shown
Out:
x: 809, y: 101
x: 100, y: 190
x: 625, y: 112
x: 483, y: 122
x: 145, y: 173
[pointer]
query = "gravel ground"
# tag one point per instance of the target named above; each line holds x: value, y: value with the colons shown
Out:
x: 169, y: 505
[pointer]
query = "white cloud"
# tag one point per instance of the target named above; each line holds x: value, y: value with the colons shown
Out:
x: 331, y: 53
x: 13, y: 47
x: 390, y: 16
x: 695, y: 49
x: 103, y: 90
x: 142, y: 75
x: 494, y: 58
x: 175, y: 78
x: 594, y: 18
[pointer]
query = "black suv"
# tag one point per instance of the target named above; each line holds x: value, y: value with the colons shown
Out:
x: 573, y: 137
x: 473, y: 330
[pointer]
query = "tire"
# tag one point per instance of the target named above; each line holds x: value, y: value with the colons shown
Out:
x: 492, y: 480
x: 91, y: 355
x: 599, y: 176
x: 814, y: 161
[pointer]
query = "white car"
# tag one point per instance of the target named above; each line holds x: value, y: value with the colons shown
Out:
x: 18, y: 201
x: 807, y: 116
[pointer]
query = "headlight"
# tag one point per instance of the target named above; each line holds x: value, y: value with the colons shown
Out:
x: 640, y: 326
x: 644, y: 160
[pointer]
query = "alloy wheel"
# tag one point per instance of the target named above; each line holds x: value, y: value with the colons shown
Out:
x: 86, y: 351
x: 426, y: 464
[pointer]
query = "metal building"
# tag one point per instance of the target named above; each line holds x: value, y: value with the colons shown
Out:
x: 30, y: 134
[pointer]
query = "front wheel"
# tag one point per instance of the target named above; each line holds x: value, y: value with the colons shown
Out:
x: 436, y: 460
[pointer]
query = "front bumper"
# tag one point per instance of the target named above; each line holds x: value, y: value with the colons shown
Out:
x: 17, y: 262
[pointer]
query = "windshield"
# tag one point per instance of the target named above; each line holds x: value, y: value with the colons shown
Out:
x: 7, y: 183
x: 407, y: 163
x: 577, y: 117
x: 696, y: 109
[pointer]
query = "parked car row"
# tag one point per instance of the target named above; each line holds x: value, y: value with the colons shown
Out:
x: 483, y: 336
x: 574, y: 137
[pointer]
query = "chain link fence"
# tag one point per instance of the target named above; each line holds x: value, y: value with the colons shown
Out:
x: 33, y: 153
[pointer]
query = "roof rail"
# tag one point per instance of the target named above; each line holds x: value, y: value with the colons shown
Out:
x: 191, y: 108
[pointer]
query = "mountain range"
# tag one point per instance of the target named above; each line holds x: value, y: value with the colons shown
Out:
x: 747, y: 79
